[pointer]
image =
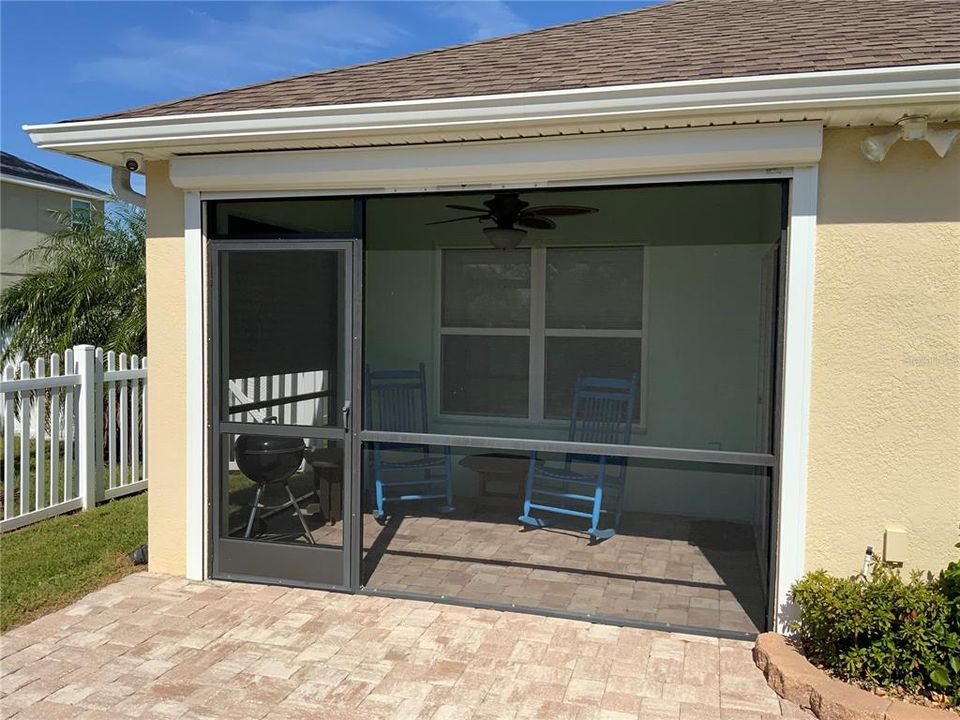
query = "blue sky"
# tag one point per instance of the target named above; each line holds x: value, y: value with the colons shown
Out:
x: 63, y: 60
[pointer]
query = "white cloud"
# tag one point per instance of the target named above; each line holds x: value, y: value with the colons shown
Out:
x: 269, y: 42
x: 483, y: 18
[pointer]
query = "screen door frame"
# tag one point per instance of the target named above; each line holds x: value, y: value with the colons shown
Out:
x: 291, y: 564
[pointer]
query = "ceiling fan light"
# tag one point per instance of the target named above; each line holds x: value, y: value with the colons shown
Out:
x: 505, y: 238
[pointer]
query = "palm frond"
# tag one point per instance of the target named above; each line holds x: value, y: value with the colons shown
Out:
x: 88, y: 286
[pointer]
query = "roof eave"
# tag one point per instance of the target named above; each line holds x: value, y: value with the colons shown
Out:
x: 85, y: 194
x: 839, y: 94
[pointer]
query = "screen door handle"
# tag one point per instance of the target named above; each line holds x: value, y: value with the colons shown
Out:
x: 345, y: 411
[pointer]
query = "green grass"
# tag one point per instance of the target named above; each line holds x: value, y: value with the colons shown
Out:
x: 45, y: 480
x: 56, y: 561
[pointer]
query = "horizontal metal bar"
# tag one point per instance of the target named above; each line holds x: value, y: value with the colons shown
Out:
x: 485, y: 331
x: 285, y: 400
x: 410, y: 483
x: 12, y: 386
x: 722, y: 457
x: 322, y: 432
x: 584, y: 333
x: 284, y: 236
x: 307, y: 242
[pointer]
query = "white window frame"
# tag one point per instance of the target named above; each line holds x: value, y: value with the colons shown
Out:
x: 537, y: 332
x: 73, y: 218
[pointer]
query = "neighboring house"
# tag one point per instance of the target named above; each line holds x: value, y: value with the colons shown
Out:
x: 695, y: 265
x: 32, y: 198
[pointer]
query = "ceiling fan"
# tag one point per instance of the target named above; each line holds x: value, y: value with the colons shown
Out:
x: 512, y: 215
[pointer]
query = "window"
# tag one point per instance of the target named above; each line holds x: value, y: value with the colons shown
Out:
x: 518, y: 327
x: 81, y: 211
x: 485, y: 332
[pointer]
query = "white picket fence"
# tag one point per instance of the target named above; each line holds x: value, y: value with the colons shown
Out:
x: 293, y: 398
x: 72, y: 457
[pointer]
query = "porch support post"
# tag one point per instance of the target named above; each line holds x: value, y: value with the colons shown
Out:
x: 195, y: 421
x: 795, y: 419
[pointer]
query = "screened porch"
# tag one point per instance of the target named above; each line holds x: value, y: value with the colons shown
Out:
x: 581, y: 424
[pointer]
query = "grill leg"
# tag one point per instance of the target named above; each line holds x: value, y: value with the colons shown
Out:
x: 296, y: 506
x: 253, y: 511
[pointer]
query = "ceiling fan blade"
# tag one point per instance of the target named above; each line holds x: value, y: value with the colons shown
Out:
x: 536, y: 223
x: 468, y: 208
x: 561, y: 210
x: 467, y: 217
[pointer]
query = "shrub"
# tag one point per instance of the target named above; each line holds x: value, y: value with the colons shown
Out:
x: 884, y: 631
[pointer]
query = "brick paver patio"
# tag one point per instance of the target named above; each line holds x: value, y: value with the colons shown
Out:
x: 664, y: 569
x: 152, y: 646
x: 659, y: 568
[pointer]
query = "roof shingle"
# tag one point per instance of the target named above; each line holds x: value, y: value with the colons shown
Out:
x: 679, y: 40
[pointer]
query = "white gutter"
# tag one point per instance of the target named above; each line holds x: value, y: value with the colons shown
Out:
x: 817, y: 92
x: 63, y: 190
x: 120, y: 180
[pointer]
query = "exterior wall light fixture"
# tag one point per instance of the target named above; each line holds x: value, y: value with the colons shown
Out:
x: 910, y: 127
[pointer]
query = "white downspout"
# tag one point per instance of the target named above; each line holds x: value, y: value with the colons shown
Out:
x: 120, y: 181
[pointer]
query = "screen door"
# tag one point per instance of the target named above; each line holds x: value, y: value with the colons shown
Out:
x: 282, y: 402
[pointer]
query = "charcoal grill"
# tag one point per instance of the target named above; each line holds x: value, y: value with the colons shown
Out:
x: 269, y: 460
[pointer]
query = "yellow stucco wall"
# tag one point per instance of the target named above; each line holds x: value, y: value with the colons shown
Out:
x: 885, y: 404
x: 166, y: 335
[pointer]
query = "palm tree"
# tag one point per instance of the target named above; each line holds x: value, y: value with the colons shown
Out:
x: 89, y: 286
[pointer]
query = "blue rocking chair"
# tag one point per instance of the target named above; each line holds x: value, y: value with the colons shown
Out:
x: 402, y: 472
x: 602, y: 412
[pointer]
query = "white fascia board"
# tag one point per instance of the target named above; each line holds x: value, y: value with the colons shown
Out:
x: 449, y: 165
x: 82, y: 194
x: 819, y: 91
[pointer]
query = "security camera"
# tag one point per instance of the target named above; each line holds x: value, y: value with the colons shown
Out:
x: 133, y: 161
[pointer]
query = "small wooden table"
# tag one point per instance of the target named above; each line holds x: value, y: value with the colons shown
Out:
x: 328, y: 462
x: 502, y: 468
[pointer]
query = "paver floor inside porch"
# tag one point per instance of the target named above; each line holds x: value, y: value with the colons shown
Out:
x: 664, y: 569
x: 152, y: 646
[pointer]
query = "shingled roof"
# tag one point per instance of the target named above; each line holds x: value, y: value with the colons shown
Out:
x: 17, y: 168
x: 679, y: 40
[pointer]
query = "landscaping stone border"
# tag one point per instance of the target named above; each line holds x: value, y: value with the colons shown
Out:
x: 793, y: 677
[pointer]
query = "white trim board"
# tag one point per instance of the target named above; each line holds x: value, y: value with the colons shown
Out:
x: 766, y: 173
x: 458, y: 165
x: 797, y: 333
x: 195, y: 420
